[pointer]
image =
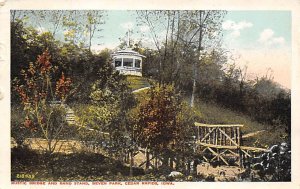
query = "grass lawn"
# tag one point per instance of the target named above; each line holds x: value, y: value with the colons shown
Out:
x: 136, y: 82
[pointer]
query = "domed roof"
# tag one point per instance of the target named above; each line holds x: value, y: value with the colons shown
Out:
x: 127, y: 51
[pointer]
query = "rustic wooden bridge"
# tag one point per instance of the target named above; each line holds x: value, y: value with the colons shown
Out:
x: 223, y: 143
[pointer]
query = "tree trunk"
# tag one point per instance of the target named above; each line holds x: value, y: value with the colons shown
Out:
x: 196, y: 62
x: 183, y: 165
x: 177, y: 161
x: 156, y: 161
x: 193, y: 91
x: 165, y: 159
x: 147, y: 159
x: 131, y: 163
x: 195, y: 75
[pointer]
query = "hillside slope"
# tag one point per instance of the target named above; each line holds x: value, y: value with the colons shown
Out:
x: 215, y: 114
x: 259, y: 135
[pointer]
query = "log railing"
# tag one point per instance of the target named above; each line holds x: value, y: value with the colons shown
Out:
x: 223, y: 142
x: 221, y: 135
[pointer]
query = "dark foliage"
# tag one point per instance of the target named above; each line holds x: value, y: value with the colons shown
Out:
x: 68, y: 166
x: 274, y: 165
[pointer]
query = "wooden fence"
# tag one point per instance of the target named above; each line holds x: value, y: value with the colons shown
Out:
x: 223, y: 143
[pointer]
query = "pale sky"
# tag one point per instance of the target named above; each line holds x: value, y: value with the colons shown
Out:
x: 261, y: 40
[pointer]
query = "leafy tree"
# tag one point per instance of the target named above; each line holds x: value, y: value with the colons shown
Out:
x: 70, y: 58
x: 183, y: 148
x: 37, y: 91
x: 158, y: 125
x: 157, y: 118
x: 21, y: 47
x: 18, y: 132
x: 28, y: 44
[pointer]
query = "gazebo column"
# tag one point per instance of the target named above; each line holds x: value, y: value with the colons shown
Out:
x: 122, y: 62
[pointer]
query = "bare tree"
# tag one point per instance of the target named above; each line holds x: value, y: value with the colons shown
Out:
x: 181, y: 37
x: 203, y: 29
x: 94, y: 20
x: 164, y: 27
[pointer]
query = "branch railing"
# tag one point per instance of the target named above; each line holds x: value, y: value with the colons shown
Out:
x: 223, y: 142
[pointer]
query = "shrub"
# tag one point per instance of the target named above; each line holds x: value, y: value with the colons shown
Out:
x: 274, y: 165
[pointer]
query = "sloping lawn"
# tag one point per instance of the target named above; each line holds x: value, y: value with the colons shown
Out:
x: 136, y: 82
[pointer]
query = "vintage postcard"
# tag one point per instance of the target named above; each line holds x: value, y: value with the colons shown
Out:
x: 155, y: 94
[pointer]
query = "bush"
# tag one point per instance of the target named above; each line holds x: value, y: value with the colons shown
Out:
x: 23, y: 155
x: 274, y: 165
x: 18, y: 132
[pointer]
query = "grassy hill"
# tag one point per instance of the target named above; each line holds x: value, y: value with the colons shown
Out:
x: 215, y: 114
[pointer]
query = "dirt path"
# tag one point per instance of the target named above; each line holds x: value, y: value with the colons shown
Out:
x: 138, y: 90
x: 220, y: 173
x: 253, y: 134
x: 63, y: 146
